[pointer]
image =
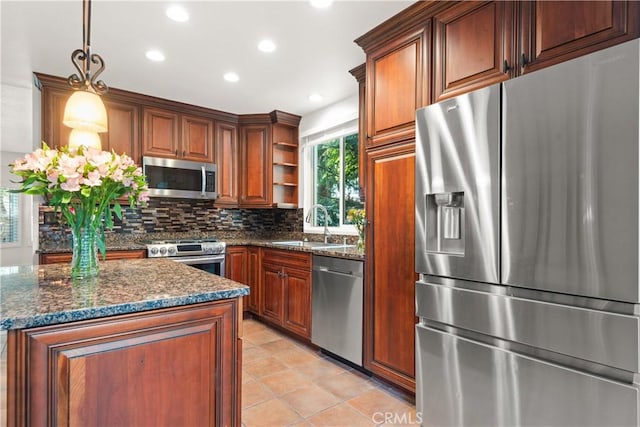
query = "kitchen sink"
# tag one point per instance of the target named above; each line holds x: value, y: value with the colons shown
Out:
x: 312, y: 245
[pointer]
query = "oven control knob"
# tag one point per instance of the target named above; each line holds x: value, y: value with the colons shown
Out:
x: 172, y: 251
x: 208, y: 250
x: 154, y: 251
x: 163, y: 250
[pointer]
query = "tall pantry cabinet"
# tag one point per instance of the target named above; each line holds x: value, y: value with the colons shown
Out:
x: 431, y: 51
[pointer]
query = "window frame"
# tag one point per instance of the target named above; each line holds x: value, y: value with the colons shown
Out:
x: 308, y: 172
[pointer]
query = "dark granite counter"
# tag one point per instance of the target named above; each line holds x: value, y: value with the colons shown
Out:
x: 347, y: 253
x: 42, y: 295
x: 124, y: 244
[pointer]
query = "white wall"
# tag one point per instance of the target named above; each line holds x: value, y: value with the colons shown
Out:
x: 333, y: 115
x: 19, y: 111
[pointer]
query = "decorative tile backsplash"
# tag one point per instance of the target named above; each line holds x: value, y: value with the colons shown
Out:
x: 183, y: 216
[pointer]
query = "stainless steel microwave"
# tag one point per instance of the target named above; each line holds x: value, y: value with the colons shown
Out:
x: 180, y: 178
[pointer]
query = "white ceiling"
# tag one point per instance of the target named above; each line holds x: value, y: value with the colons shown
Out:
x: 315, y: 48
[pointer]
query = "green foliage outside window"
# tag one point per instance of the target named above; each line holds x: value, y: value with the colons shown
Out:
x: 336, y: 184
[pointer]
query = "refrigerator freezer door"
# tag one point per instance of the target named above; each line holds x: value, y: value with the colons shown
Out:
x: 457, y: 186
x: 480, y: 385
x: 570, y: 176
x: 602, y: 337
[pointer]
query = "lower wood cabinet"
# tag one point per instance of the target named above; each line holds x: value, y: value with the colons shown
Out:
x: 66, y: 256
x: 286, y: 290
x: 242, y: 264
x: 174, y: 366
x: 389, y: 308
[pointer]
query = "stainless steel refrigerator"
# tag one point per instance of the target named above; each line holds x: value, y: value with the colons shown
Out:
x: 527, y: 246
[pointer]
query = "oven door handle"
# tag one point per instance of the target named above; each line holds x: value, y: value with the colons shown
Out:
x: 199, y: 259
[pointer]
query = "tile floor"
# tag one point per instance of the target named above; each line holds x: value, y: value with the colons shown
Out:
x: 286, y: 383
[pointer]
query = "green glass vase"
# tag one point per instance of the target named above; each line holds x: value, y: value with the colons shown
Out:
x: 84, y: 263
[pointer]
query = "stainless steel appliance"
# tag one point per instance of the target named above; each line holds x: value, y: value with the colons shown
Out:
x: 180, y: 178
x: 336, y: 307
x: 527, y: 234
x: 204, y: 254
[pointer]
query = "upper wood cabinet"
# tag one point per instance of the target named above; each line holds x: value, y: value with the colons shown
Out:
x: 54, y: 133
x: 255, y: 165
x: 123, y: 135
x: 169, y: 134
x: 285, y: 165
x: 197, y: 139
x: 556, y: 31
x: 397, y: 84
x: 473, y: 44
x: 360, y: 75
x: 227, y: 153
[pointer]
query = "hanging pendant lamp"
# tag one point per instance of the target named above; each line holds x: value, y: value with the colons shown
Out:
x: 85, y: 111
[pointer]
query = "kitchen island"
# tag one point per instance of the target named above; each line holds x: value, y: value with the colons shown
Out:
x: 148, y: 342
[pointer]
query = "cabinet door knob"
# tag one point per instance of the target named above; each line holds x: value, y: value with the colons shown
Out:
x: 184, y: 153
x: 505, y: 67
x: 176, y: 152
x: 523, y: 60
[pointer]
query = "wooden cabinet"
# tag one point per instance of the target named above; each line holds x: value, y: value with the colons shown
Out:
x: 54, y: 133
x: 227, y: 153
x: 57, y: 258
x: 390, y: 280
x: 236, y: 268
x: 123, y: 135
x: 473, y: 44
x: 255, y: 165
x: 359, y: 73
x: 253, y: 279
x: 480, y: 43
x: 286, y: 290
x: 556, y: 31
x: 197, y: 139
x: 174, y: 366
x: 161, y: 133
x: 169, y: 134
x: 397, y: 84
x: 285, y: 166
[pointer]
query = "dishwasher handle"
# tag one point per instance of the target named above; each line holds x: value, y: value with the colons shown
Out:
x: 340, y: 273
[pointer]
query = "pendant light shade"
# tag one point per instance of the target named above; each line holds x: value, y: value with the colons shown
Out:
x: 84, y: 138
x: 85, y: 111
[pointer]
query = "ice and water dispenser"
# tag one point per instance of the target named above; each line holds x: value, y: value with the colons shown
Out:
x: 445, y: 223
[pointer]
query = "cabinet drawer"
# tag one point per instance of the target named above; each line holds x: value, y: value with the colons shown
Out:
x: 287, y: 258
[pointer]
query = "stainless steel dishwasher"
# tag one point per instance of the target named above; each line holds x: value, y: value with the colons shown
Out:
x: 336, y: 314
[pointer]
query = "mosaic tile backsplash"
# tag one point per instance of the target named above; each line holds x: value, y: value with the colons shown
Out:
x: 182, y: 216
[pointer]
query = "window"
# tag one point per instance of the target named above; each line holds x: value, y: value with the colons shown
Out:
x: 333, y: 181
x: 9, y: 216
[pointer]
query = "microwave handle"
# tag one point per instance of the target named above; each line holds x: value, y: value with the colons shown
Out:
x: 204, y: 180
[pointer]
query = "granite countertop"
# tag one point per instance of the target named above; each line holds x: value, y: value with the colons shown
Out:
x: 348, y: 253
x: 40, y: 295
x: 65, y: 246
x: 128, y: 245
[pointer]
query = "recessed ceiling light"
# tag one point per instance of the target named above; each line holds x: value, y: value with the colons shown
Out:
x: 320, y: 4
x: 177, y: 13
x: 267, y: 45
x: 315, y: 97
x: 231, y: 77
x: 155, y: 55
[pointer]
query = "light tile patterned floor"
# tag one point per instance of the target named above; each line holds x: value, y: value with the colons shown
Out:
x: 286, y: 383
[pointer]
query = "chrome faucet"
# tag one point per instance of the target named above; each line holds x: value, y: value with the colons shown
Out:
x: 326, y: 219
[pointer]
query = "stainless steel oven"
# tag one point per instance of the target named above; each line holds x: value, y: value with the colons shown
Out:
x: 204, y: 254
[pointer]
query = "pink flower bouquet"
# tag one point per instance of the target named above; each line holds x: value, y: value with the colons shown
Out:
x: 84, y: 184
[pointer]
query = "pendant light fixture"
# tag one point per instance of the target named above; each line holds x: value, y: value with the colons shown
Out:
x: 85, y: 111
